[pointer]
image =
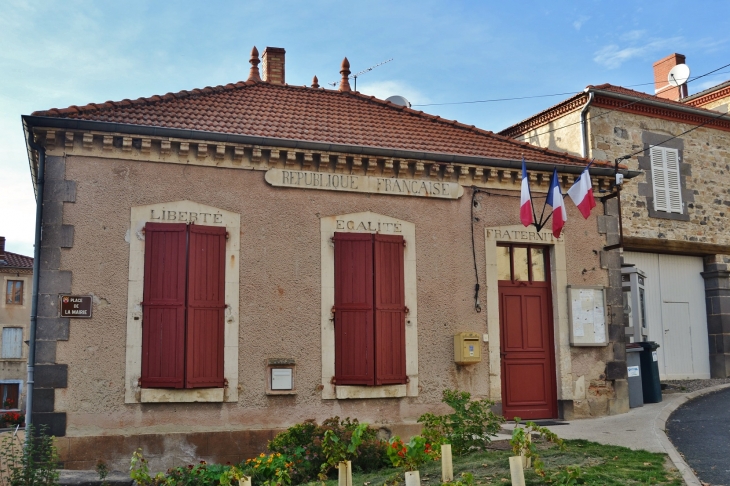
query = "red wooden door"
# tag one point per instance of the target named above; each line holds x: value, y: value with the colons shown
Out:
x: 527, y: 348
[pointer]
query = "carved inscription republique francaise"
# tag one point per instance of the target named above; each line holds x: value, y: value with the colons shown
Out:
x: 393, y: 186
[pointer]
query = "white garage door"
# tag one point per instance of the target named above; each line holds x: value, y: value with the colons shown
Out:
x: 676, y: 314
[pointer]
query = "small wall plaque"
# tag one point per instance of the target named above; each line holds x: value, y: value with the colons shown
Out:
x: 76, y: 306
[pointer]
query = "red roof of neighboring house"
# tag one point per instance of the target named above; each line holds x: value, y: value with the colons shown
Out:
x: 571, y: 104
x: 311, y: 114
x: 17, y: 261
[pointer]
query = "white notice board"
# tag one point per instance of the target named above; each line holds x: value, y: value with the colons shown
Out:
x: 587, y: 313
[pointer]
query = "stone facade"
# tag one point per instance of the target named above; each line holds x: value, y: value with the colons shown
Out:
x: 704, y: 159
x: 86, y: 392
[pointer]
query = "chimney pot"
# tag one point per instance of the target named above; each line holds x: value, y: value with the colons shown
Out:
x: 315, y: 82
x: 662, y: 88
x: 273, y: 65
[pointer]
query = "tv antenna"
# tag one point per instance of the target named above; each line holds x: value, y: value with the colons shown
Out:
x: 364, y: 71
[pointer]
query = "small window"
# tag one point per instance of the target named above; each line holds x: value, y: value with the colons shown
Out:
x: 521, y: 263
x: 666, y: 180
x: 12, y: 342
x: 14, y: 292
x: 10, y: 394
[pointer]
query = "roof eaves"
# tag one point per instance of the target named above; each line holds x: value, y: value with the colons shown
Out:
x: 602, y: 168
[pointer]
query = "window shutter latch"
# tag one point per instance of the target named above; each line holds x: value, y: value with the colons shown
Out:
x: 406, y: 310
x: 332, y: 313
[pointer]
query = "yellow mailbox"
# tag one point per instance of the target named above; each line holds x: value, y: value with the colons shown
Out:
x: 467, y: 348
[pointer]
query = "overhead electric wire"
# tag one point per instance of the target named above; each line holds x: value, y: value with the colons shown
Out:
x: 517, y: 98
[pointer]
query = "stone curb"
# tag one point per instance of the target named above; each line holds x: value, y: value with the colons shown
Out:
x: 660, y: 427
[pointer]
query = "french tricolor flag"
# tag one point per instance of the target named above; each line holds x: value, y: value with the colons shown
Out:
x: 555, y: 200
x: 582, y: 193
x: 525, y: 199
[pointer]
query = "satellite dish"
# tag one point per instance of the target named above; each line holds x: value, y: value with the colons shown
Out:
x: 399, y: 100
x: 678, y: 75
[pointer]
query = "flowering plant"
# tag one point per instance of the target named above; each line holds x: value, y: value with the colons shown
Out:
x: 13, y: 418
x: 413, y: 454
x: 268, y: 470
x: 8, y: 403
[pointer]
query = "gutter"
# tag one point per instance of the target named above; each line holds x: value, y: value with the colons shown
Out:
x: 109, y: 127
x: 39, y: 183
x: 583, y: 126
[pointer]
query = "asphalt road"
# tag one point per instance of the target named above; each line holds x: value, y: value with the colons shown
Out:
x: 700, y: 430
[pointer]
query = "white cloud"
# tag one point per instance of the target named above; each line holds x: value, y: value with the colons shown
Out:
x: 578, y: 23
x: 612, y: 56
x: 385, y: 89
x: 633, y: 35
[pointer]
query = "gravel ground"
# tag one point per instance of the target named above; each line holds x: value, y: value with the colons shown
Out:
x: 688, y: 386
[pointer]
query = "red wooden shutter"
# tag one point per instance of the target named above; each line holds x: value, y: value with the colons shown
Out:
x: 163, y: 318
x: 206, y: 307
x: 354, y: 350
x: 390, y: 315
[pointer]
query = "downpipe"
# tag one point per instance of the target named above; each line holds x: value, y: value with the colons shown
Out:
x: 584, y: 127
x: 40, y: 182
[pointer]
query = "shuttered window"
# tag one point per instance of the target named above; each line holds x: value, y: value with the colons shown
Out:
x: 183, y: 308
x: 12, y: 346
x: 369, y: 309
x: 666, y: 180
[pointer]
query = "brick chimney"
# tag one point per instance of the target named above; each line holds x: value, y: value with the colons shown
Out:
x: 662, y: 88
x: 273, y: 65
x: 2, y: 249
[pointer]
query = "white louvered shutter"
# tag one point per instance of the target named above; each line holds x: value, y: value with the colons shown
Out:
x: 666, y: 181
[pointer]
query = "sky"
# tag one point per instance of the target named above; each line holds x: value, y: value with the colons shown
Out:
x: 54, y: 54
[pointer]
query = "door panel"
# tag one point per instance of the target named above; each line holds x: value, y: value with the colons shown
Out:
x: 675, y: 279
x: 527, y: 351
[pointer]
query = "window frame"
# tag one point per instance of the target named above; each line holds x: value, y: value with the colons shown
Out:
x: 3, y: 388
x: 20, y: 345
x: 546, y: 262
x: 10, y: 294
x: 366, y: 222
x: 139, y: 216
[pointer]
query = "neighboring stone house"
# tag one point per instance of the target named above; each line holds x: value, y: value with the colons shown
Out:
x: 260, y: 254
x: 675, y: 216
x: 16, y: 272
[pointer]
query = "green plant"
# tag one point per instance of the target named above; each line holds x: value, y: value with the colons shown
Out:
x: 303, y: 443
x: 33, y: 463
x: 336, y: 450
x: 567, y: 476
x: 268, y: 470
x: 468, y: 428
x: 411, y: 455
x: 201, y: 474
x: 522, y: 444
x: 467, y: 479
x: 103, y: 471
x: 139, y: 471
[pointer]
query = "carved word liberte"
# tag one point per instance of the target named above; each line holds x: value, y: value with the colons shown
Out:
x: 187, y: 217
x: 521, y: 235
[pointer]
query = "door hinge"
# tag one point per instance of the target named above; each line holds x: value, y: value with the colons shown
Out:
x: 406, y: 310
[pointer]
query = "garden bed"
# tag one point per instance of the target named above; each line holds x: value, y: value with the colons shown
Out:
x: 599, y: 464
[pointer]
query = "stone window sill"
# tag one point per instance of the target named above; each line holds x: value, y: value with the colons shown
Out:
x: 383, y: 391
x: 164, y: 395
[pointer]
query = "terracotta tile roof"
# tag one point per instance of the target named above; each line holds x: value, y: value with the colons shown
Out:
x: 603, y: 87
x: 310, y: 114
x: 706, y: 91
x: 16, y: 261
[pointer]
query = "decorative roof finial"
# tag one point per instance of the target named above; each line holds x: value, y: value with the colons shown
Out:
x: 254, y: 74
x: 315, y: 82
x: 345, y: 71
